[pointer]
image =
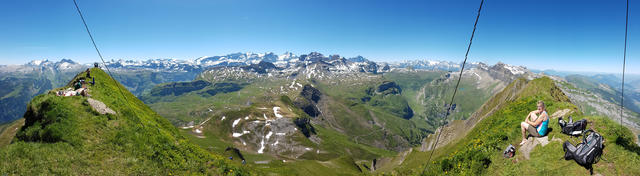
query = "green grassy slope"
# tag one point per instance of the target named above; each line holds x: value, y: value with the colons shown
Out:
x: 480, y: 152
x: 351, y: 129
x: 424, y: 86
x: 339, y: 155
x: 9, y: 130
x: 65, y: 136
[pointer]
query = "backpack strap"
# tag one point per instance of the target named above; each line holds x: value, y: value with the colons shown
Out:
x: 584, y: 135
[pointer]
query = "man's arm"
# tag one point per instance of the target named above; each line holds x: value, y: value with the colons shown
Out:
x: 539, y: 120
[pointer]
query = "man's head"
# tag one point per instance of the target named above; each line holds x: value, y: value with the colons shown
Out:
x: 541, y: 105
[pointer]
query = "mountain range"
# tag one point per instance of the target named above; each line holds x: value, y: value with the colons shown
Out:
x: 307, y: 114
x: 22, y: 82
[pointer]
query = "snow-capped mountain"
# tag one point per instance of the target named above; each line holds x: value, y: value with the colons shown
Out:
x: 500, y: 70
x: 312, y: 65
x: 269, y: 64
x: 504, y: 72
x: 63, y: 65
x: 164, y: 65
x: 431, y: 65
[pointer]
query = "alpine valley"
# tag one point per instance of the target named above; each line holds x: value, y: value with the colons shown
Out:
x: 309, y: 114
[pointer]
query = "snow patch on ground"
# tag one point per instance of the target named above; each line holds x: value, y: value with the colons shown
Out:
x: 292, y: 84
x: 240, y: 134
x: 235, y: 122
x: 269, y: 135
x: 275, y: 111
x: 261, y: 150
x: 204, y: 122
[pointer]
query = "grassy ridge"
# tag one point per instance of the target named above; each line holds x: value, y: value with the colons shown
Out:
x: 480, y: 152
x: 65, y: 136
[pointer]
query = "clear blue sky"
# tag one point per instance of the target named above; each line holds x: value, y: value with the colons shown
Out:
x: 574, y: 35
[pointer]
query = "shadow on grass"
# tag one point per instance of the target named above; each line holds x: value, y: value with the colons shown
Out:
x: 628, y: 144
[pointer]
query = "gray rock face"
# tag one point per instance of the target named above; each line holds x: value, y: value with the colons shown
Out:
x: 100, y: 107
x: 311, y: 93
x: 308, y: 100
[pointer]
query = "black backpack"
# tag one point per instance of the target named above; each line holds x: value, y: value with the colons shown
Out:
x: 572, y: 128
x: 587, y: 152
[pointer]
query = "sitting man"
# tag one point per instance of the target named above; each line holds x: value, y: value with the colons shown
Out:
x: 535, y: 123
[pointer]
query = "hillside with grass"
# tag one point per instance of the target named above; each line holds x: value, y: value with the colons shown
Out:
x: 351, y: 124
x: 480, y: 151
x: 73, y: 136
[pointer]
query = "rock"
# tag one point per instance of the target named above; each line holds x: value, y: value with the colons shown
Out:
x: 543, y: 140
x: 527, y: 147
x: 311, y: 93
x: 310, y: 96
x: 561, y: 113
x: 305, y: 126
x: 532, y: 142
x: 100, y: 107
x: 389, y: 87
x: 556, y: 139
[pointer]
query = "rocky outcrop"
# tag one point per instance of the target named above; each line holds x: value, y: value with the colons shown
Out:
x: 304, y: 124
x: 308, y: 99
x: 100, y: 107
x: 388, y: 87
x: 311, y: 93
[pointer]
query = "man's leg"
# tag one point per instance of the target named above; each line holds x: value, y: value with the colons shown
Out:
x: 533, y: 131
x: 523, y: 127
x: 533, y: 117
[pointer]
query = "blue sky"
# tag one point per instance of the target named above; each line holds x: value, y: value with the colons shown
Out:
x: 572, y: 35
